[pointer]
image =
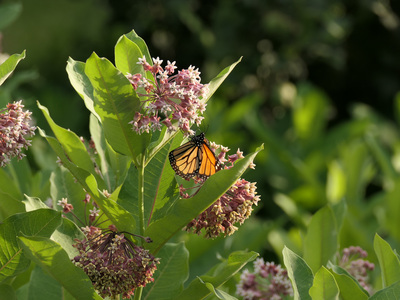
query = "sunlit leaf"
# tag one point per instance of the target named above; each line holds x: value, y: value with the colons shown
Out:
x: 7, y: 67
x: 41, y: 222
x: 299, y: 274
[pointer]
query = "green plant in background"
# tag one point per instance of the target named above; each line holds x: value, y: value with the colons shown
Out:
x: 124, y: 171
x: 336, y: 184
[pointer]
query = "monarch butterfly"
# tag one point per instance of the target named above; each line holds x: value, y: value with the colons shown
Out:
x: 194, y: 158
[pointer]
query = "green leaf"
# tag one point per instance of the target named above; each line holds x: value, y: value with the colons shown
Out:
x: 8, y: 13
x: 32, y: 203
x: 73, y: 147
x: 349, y: 287
x: 7, y: 67
x: 119, y: 216
x: 52, y: 258
x: 218, y: 293
x: 392, y: 292
x: 198, y: 288
x: 116, y: 102
x: 218, y: 80
x: 299, y: 274
x: 41, y: 222
x: 321, y: 240
x: 324, y: 286
x: 140, y: 43
x: 81, y: 83
x: 127, y: 54
x: 113, y: 166
x: 65, y: 236
x: 7, y: 292
x: 185, y: 210
x: 43, y: 286
x: 171, y: 273
x: 388, y: 261
x: 310, y: 112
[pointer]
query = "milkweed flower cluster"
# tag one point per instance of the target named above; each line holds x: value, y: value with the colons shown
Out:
x: 352, y: 260
x: 15, y: 126
x: 114, y: 264
x: 235, y: 206
x: 170, y: 97
x: 268, y: 281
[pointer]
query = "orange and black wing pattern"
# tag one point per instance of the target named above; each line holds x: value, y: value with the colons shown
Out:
x: 195, y: 158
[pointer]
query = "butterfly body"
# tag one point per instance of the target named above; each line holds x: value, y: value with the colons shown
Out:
x: 194, y: 158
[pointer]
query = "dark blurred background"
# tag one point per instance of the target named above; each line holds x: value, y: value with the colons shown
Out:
x: 348, y: 51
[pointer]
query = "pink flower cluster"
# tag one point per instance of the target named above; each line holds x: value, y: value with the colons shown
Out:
x: 113, y: 263
x: 169, y: 98
x: 14, y: 128
x: 235, y: 206
x: 352, y: 260
x: 268, y: 281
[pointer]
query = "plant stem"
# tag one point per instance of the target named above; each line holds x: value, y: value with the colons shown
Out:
x: 138, y: 293
x: 141, y: 196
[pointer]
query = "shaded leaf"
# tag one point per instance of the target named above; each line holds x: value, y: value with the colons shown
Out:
x: 51, y: 257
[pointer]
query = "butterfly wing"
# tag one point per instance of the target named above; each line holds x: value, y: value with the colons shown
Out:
x: 184, y: 160
x: 194, y: 158
x: 208, y: 161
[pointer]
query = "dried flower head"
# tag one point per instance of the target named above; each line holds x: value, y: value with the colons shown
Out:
x: 114, y: 264
x: 170, y: 97
x: 352, y: 260
x: 268, y: 281
x: 235, y: 206
x: 14, y: 128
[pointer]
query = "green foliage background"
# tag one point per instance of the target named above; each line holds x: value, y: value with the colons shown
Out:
x: 318, y: 84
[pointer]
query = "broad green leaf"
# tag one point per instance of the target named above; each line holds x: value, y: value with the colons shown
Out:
x: 81, y: 83
x: 391, y: 292
x: 349, y: 287
x: 218, y: 275
x: 140, y: 43
x: 43, y: 286
x: 8, y: 185
x: 7, y: 67
x: 218, y: 80
x: 113, y: 165
x: 388, y: 261
x: 51, y: 257
x: 184, y: 210
x: 171, y: 273
x: 320, y: 243
x: 119, y: 216
x: 8, y: 13
x: 299, y: 274
x: 65, y: 236
x: 9, y: 206
x: 324, y: 286
x: 159, y: 185
x: 41, y: 222
x: 127, y: 54
x: 116, y: 102
x: 7, y: 292
x: 73, y: 147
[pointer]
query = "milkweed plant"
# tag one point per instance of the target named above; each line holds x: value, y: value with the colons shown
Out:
x: 115, y: 224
